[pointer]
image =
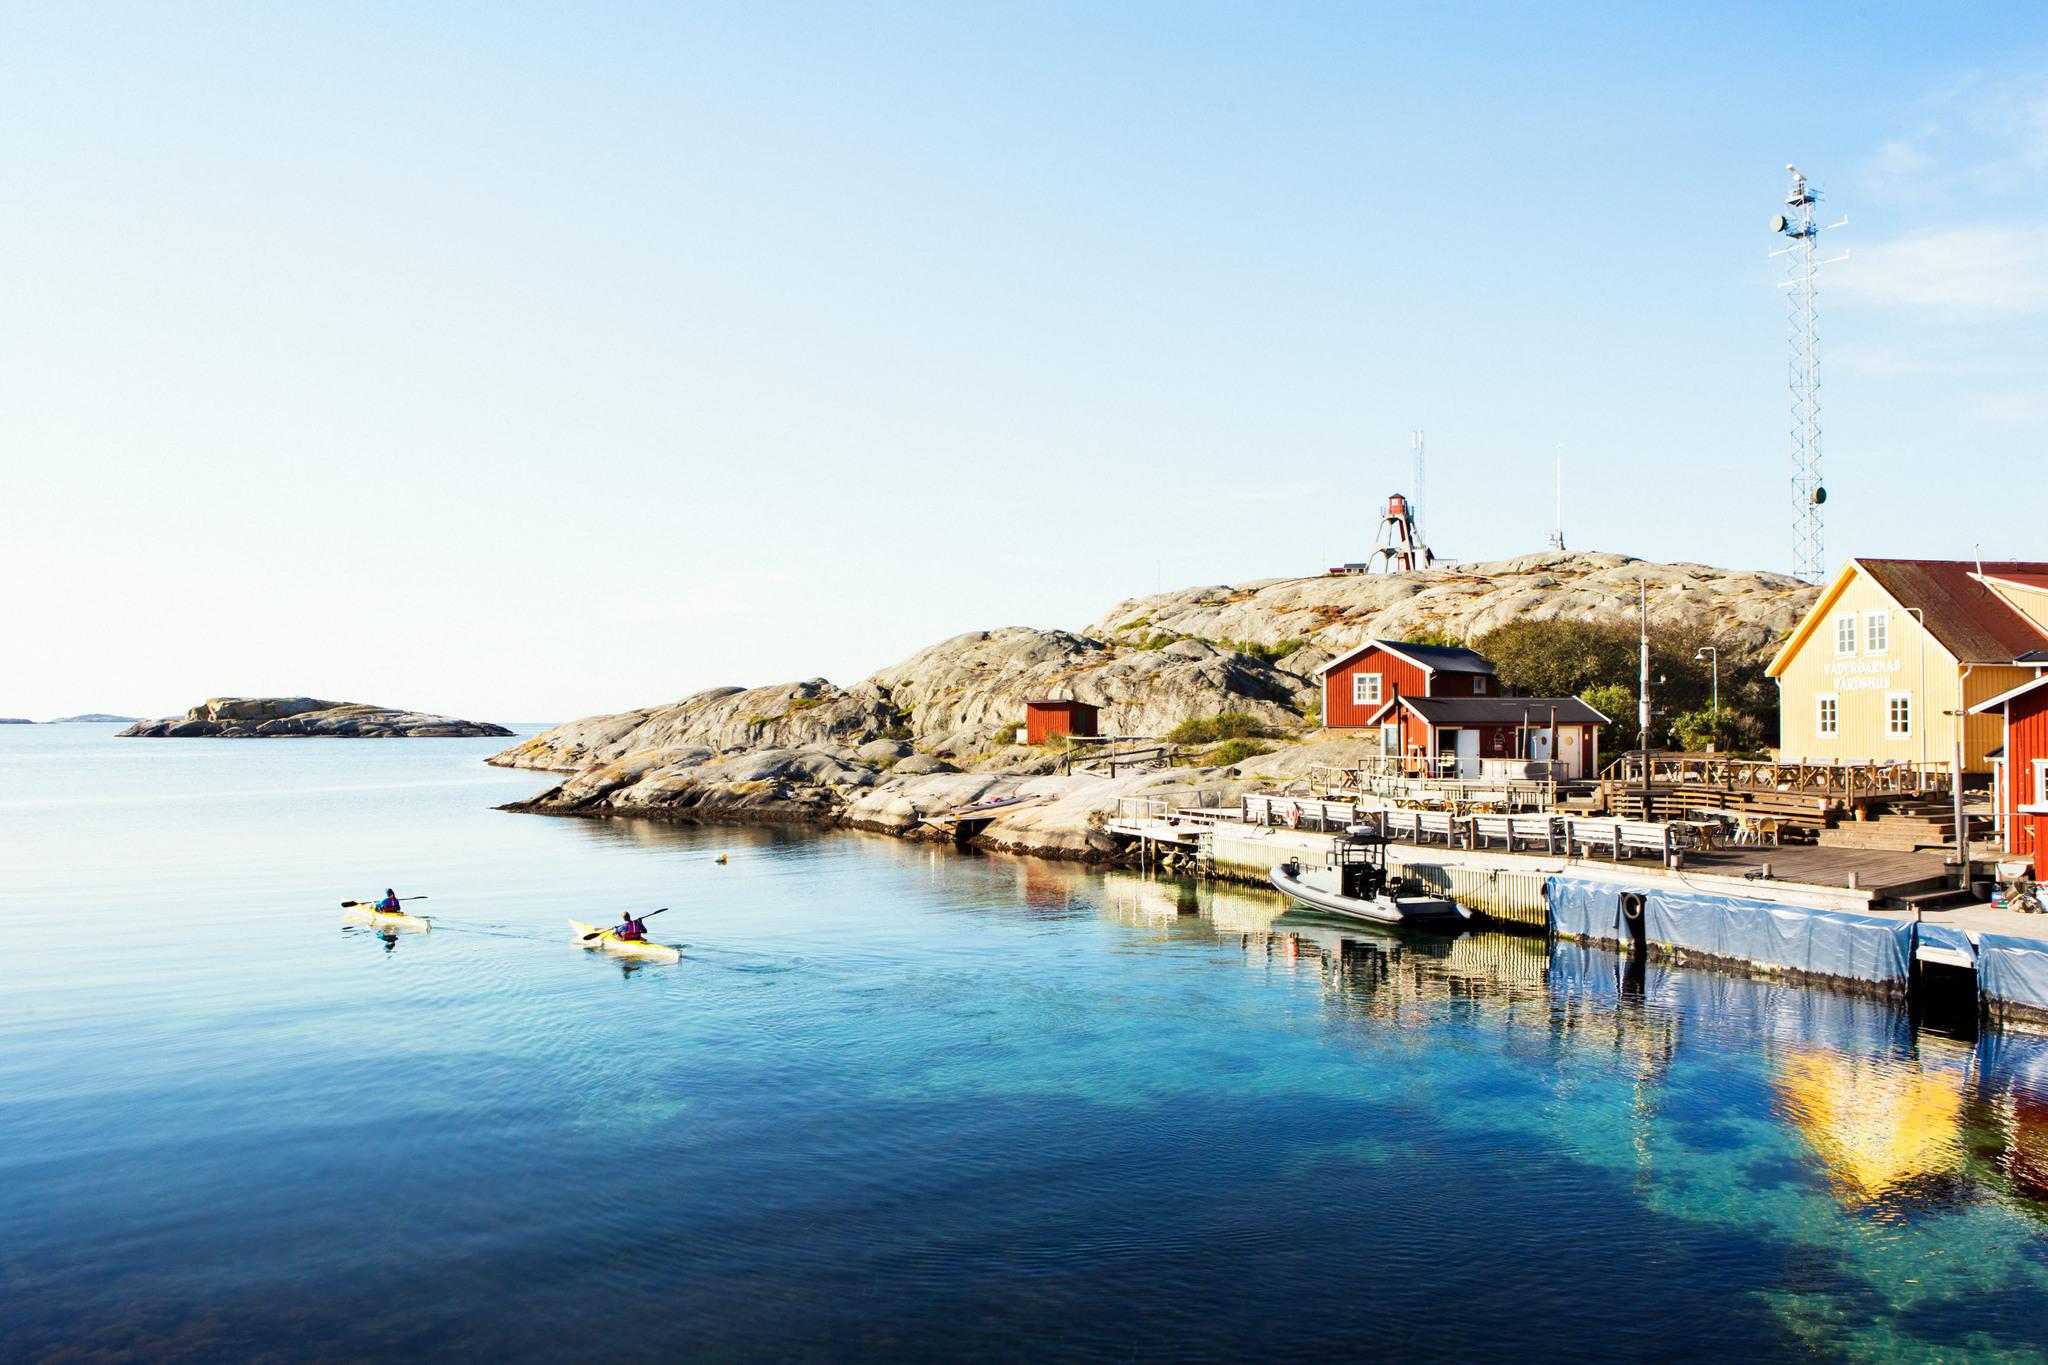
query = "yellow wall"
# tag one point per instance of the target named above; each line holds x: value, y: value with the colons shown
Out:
x: 2032, y: 605
x: 1860, y: 682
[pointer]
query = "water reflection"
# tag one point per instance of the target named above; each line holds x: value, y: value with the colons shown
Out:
x: 1894, y: 1120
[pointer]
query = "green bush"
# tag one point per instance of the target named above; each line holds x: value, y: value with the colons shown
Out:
x: 1158, y: 639
x: 805, y: 703
x: 1266, y: 653
x: 1210, y: 729
x: 1618, y: 704
x: 1442, y: 638
x: 1235, y: 751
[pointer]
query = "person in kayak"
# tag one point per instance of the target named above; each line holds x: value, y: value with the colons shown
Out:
x: 389, y: 905
x: 632, y: 931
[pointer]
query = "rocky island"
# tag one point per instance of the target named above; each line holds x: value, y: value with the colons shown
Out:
x: 306, y: 717
x: 936, y: 731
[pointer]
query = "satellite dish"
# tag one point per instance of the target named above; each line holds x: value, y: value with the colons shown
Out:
x: 1778, y: 223
x: 1820, y: 495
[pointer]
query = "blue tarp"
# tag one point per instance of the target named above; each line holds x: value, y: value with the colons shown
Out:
x: 2012, y: 970
x: 1828, y: 942
x: 1944, y: 936
x: 1584, y: 909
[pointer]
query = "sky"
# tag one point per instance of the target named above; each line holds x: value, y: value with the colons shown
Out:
x: 526, y: 361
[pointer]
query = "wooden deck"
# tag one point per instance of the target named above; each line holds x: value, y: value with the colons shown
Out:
x: 1883, y: 873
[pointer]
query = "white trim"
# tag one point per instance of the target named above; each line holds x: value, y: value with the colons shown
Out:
x: 1392, y: 648
x: 1827, y: 715
x: 2002, y: 698
x: 1881, y: 619
x: 1855, y: 624
x: 1364, y: 695
x: 2041, y: 782
x: 1891, y: 730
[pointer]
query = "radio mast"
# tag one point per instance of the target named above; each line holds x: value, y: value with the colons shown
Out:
x: 1557, y: 535
x: 1415, y: 498
x: 1802, y: 233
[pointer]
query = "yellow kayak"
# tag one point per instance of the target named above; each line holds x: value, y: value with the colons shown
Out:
x: 380, y: 919
x: 611, y: 943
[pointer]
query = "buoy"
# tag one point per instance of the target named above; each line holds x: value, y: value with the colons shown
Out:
x: 721, y: 858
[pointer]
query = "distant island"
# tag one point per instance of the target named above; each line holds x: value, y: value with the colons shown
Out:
x: 306, y: 718
x: 96, y: 718
x: 15, y: 720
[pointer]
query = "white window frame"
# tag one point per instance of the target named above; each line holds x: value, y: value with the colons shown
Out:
x: 1877, y: 632
x: 1366, y: 689
x: 1891, y: 724
x: 1478, y: 684
x: 2041, y: 783
x: 1827, y: 715
x: 1847, y: 618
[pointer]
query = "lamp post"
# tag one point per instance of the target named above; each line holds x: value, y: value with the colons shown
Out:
x: 1920, y: 697
x: 1714, y: 655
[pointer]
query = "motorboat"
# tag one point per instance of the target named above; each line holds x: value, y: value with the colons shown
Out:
x: 1353, y: 883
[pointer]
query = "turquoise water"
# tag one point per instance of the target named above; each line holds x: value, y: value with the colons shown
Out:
x: 900, y: 1103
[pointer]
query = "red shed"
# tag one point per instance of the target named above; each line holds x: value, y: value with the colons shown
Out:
x: 1055, y: 716
x: 1357, y: 685
x: 2020, y: 777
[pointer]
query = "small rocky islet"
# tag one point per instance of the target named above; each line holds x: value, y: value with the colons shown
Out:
x: 933, y: 733
x: 306, y: 718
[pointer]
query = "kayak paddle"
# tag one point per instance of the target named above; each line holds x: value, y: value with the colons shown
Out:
x: 599, y: 933
x: 372, y: 905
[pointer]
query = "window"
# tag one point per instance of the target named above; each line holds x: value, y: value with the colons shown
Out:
x: 1845, y: 635
x: 2041, y: 782
x: 1365, y: 689
x: 1478, y: 684
x: 1877, y: 632
x: 1827, y: 720
x: 1898, y: 714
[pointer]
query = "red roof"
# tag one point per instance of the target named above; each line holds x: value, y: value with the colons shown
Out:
x: 1970, y: 620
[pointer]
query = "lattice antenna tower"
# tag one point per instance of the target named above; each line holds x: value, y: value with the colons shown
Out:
x: 1802, y: 233
x: 1557, y: 534
x: 1415, y: 498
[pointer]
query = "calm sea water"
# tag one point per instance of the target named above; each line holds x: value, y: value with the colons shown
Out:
x: 899, y: 1103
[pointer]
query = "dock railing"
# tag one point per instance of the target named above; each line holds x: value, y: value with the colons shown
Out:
x: 1886, y: 777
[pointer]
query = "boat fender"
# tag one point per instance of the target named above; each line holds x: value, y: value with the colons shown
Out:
x: 1294, y: 815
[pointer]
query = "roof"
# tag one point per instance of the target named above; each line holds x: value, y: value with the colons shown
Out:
x: 2030, y: 581
x: 1503, y: 710
x: 1966, y: 618
x: 1994, y: 703
x: 1436, y: 658
x: 1060, y: 701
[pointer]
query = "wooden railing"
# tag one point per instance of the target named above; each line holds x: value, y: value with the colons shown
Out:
x: 1753, y: 774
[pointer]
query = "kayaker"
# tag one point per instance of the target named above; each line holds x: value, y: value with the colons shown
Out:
x: 632, y: 931
x: 389, y: 905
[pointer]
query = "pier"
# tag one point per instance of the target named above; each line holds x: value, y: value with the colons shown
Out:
x: 1869, y: 918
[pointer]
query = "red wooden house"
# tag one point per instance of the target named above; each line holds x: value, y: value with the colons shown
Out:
x: 1357, y: 685
x: 1440, y: 709
x: 2020, y: 772
x: 1056, y: 716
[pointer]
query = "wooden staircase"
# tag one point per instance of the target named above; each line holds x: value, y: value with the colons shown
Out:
x: 1906, y: 826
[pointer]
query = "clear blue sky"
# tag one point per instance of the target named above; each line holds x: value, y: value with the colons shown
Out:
x: 526, y: 361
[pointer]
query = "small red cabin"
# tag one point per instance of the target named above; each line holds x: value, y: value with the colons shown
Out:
x: 1053, y: 716
x: 2020, y: 776
x: 1356, y: 686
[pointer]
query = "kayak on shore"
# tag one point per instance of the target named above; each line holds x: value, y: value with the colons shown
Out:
x: 593, y: 936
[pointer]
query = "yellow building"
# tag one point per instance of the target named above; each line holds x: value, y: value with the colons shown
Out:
x: 1896, y: 649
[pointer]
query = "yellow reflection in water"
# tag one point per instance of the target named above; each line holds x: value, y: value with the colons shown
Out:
x: 1878, y: 1124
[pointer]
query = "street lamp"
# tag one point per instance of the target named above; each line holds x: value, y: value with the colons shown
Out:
x: 1708, y: 651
